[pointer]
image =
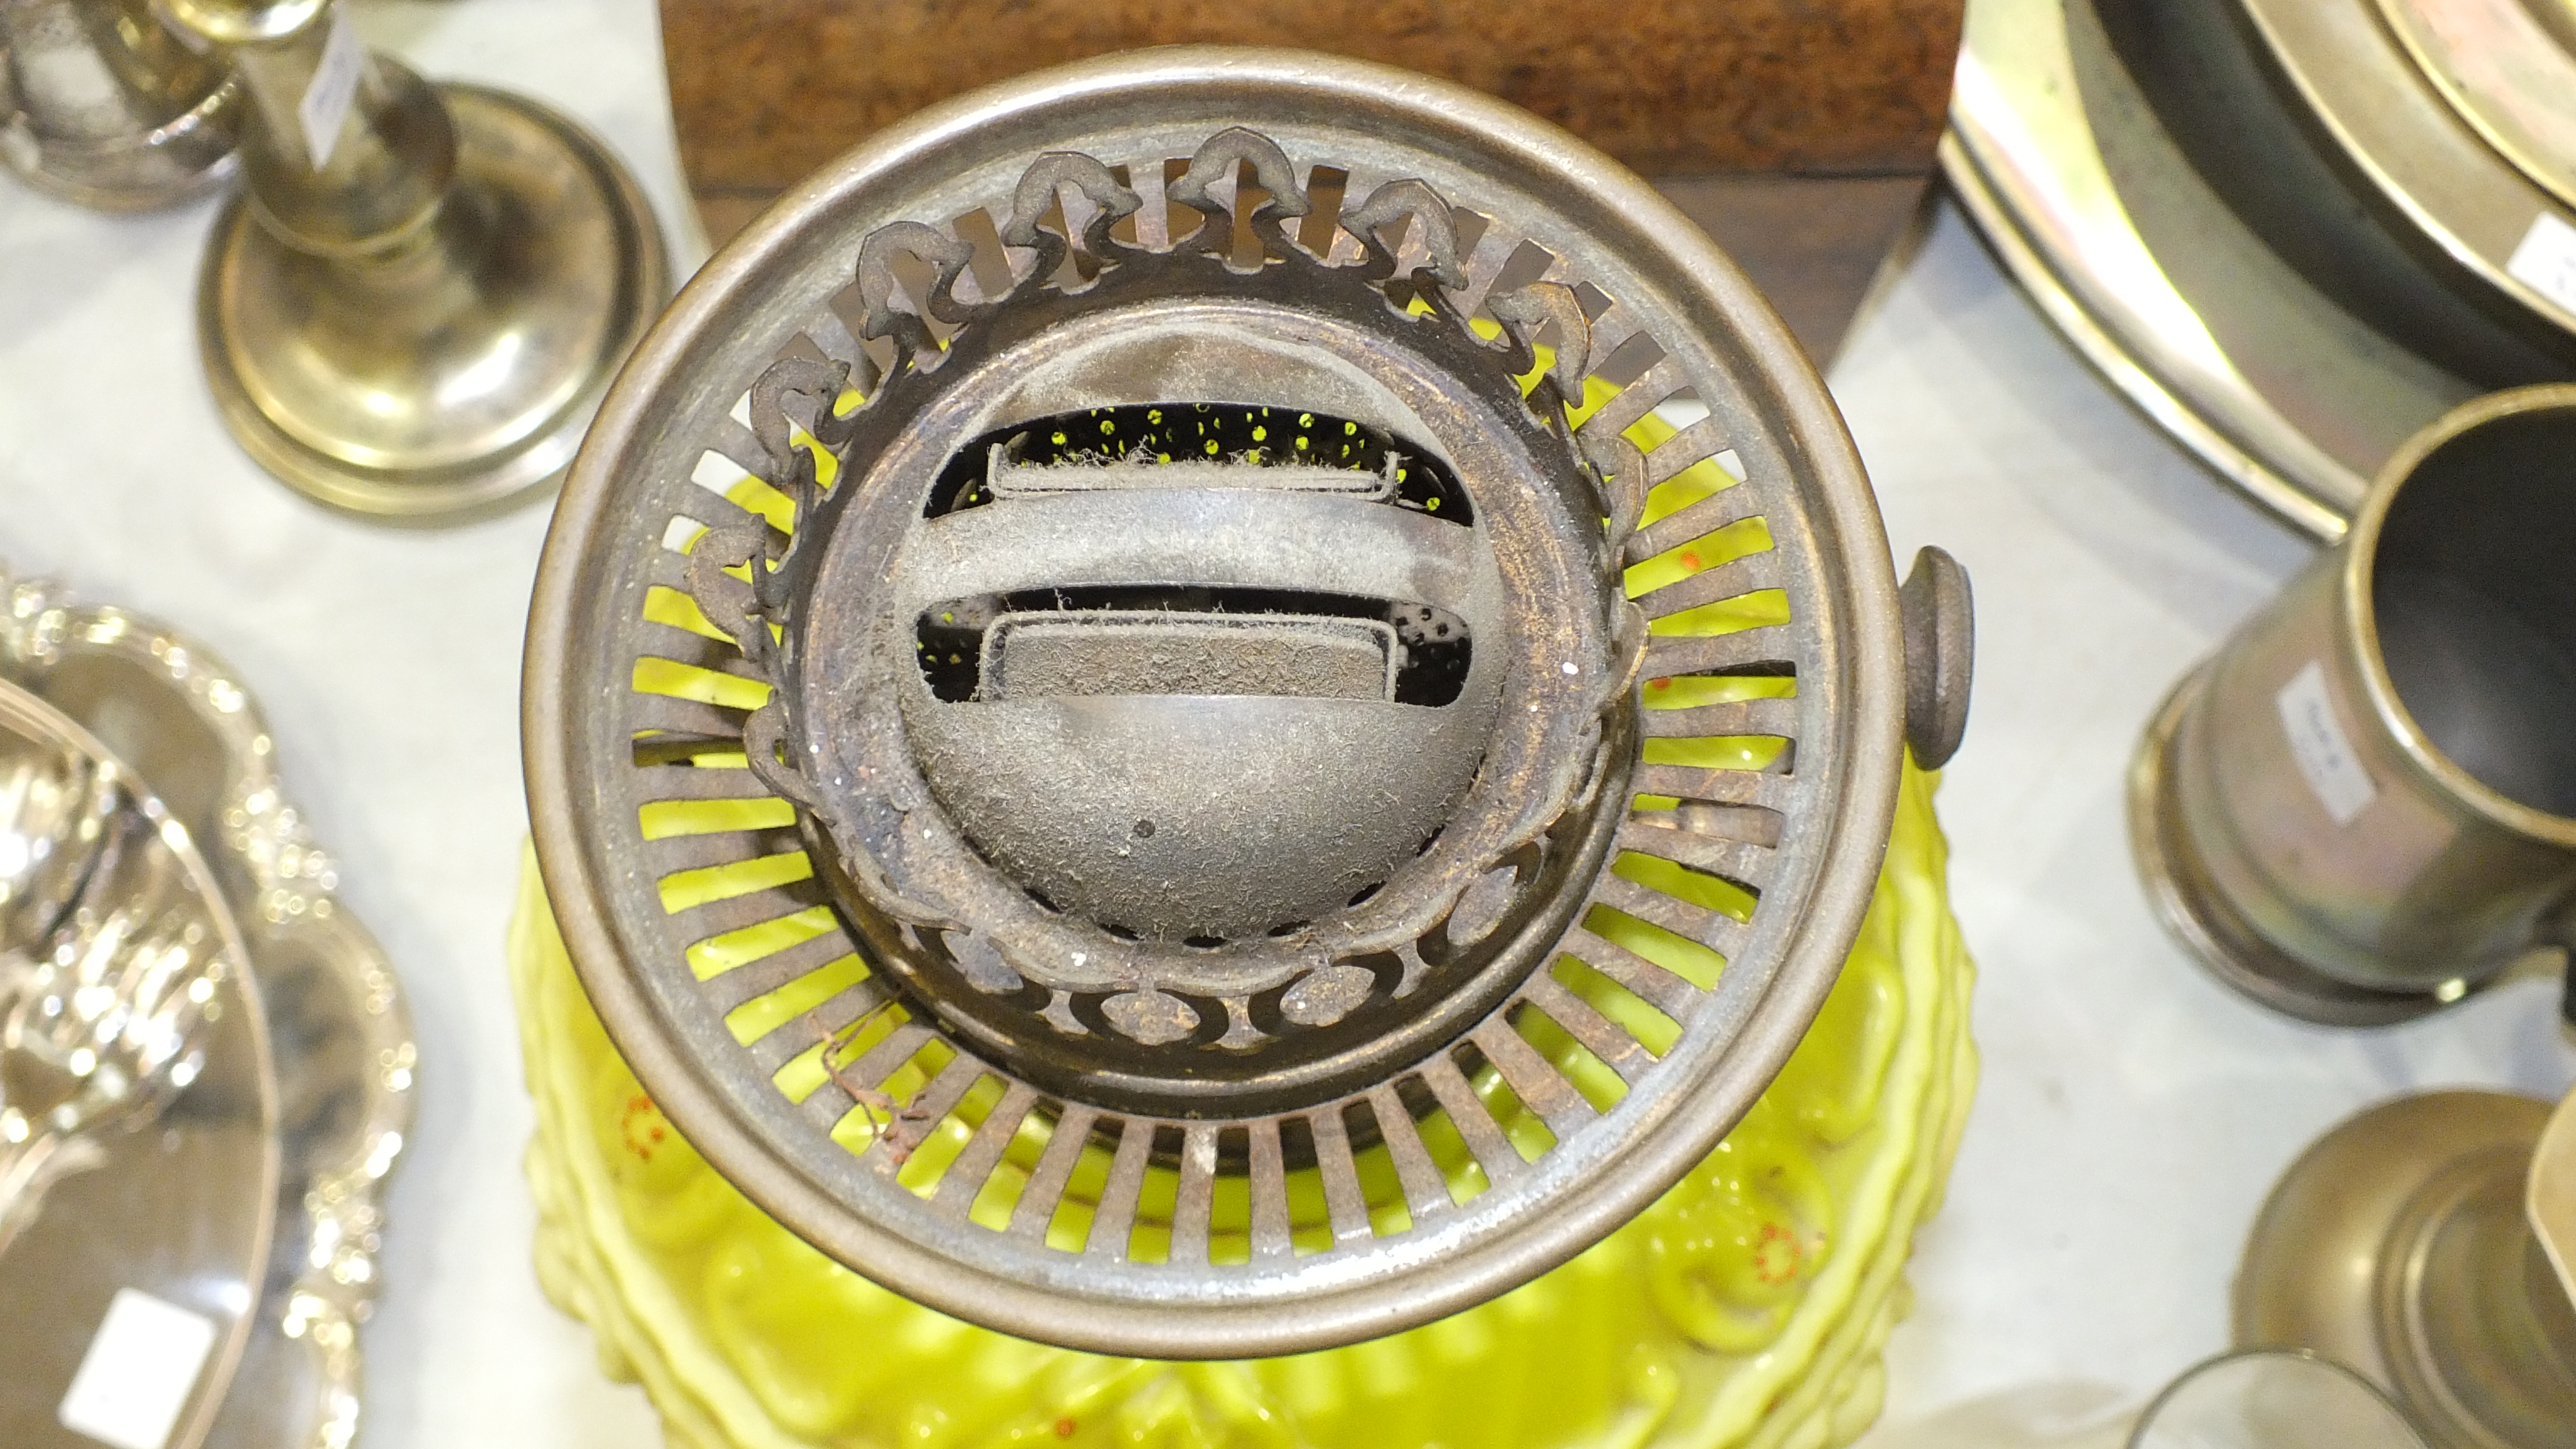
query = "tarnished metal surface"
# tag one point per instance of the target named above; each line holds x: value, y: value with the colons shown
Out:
x: 2364, y: 806
x: 2095, y: 208
x: 1172, y: 865
x: 1940, y: 648
x: 101, y: 104
x: 345, y: 1060
x: 1270, y: 974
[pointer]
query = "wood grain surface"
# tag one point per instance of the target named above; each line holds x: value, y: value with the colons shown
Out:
x: 767, y: 90
x: 1798, y: 131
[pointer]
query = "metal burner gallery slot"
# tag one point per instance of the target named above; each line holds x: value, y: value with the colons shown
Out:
x: 1173, y: 970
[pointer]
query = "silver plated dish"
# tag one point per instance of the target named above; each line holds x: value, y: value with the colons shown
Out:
x: 138, y: 1103
x: 341, y: 1037
x: 2424, y: 132
x: 2508, y: 67
x: 2138, y: 260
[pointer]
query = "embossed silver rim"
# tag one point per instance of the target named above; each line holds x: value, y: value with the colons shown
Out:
x: 339, y: 1029
x: 637, y: 503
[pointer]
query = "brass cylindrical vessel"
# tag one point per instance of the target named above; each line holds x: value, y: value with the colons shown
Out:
x: 2365, y: 805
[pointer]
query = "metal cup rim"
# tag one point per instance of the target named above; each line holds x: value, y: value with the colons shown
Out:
x: 2359, y: 617
x: 2184, y: 1380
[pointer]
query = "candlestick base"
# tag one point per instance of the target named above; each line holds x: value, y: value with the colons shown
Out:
x: 167, y: 166
x: 2397, y: 1245
x: 2199, y: 916
x: 101, y: 105
x: 454, y: 371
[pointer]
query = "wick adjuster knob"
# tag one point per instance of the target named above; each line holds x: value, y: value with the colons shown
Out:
x: 1940, y: 649
x: 417, y: 303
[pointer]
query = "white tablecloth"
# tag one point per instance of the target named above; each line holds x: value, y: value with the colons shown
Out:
x: 2132, y: 1113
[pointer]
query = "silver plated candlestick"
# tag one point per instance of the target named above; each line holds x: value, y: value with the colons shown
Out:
x: 102, y: 104
x: 425, y: 290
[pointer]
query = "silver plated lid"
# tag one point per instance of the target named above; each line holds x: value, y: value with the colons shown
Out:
x: 2391, y: 84
x: 2508, y: 67
x: 2194, y: 196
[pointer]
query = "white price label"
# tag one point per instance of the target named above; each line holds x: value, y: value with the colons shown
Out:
x: 2546, y: 260
x: 136, y: 1376
x: 326, y: 103
x: 2322, y: 747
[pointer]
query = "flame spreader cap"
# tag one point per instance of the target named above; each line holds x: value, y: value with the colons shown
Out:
x: 1083, y: 702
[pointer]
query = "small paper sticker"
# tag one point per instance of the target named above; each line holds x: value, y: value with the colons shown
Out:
x: 136, y: 1376
x: 335, y: 86
x: 2322, y: 748
x: 2546, y: 260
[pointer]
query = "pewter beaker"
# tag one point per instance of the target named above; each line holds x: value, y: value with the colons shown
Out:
x: 103, y: 105
x: 2364, y: 806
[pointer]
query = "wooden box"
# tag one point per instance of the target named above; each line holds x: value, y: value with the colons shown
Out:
x: 1800, y: 133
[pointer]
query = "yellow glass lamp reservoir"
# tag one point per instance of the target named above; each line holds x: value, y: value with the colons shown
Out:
x: 1234, y: 706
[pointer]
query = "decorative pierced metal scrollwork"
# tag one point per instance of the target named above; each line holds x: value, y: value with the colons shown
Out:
x: 1313, y: 989
x: 1318, y: 463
